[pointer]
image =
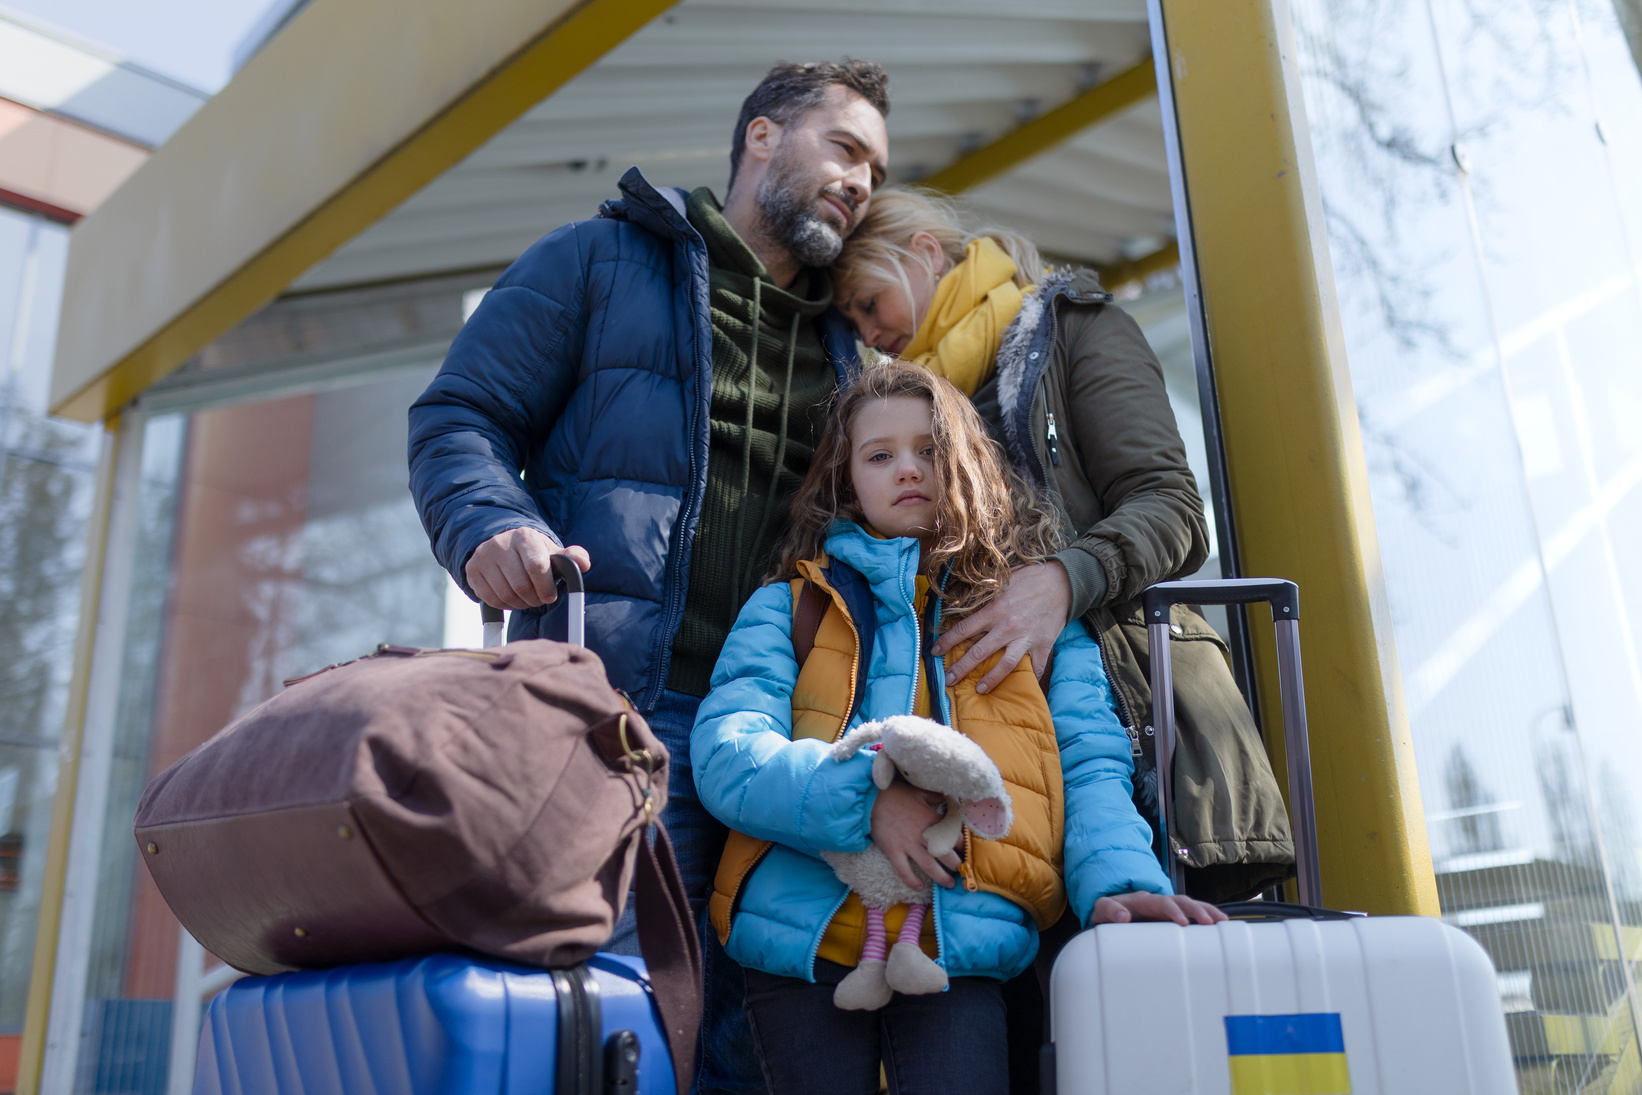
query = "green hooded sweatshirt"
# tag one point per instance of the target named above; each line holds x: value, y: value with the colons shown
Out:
x: 769, y: 402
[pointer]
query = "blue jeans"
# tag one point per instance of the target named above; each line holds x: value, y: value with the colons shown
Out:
x: 727, y: 1063
x: 940, y: 1044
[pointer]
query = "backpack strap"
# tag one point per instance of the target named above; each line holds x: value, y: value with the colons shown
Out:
x: 811, y: 604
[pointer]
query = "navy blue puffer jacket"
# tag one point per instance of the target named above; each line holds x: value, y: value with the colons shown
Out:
x: 588, y: 369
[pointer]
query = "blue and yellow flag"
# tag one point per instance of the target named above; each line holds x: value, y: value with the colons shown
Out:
x: 1287, y: 1054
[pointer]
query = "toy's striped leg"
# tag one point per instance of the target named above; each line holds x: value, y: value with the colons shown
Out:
x: 877, y: 944
x: 864, y: 988
x: 909, y: 969
x: 913, y: 927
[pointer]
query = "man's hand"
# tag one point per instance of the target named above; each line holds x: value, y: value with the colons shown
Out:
x: 1124, y: 907
x: 900, y: 814
x: 512, y: 569
x: 1027, y: 618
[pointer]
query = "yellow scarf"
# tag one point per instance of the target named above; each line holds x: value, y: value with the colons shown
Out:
x: 974, y: 303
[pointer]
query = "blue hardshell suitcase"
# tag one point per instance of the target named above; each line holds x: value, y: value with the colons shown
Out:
x: 443, y: 1024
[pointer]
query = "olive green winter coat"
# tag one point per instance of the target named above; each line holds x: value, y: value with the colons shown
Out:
x: 1078, y: 401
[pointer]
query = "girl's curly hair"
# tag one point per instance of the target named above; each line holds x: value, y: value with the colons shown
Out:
x: 988, y: 521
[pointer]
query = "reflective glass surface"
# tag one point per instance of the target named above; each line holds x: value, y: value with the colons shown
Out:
x: 275, y: 538
x: 46, y: 471
x: 1481, y: 174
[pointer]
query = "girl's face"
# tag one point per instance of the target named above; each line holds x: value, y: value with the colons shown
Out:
x: 892, y: 465
x: 887, y: 313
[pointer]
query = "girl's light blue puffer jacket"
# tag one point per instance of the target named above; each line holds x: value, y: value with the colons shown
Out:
x: 753, y: 777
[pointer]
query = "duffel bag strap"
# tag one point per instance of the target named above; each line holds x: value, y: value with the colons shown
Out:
x: 672, y: 950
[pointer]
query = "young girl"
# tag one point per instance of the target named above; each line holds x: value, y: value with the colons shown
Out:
x: 907, y: 521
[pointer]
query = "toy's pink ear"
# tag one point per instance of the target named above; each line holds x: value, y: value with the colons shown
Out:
x: 989, y: 817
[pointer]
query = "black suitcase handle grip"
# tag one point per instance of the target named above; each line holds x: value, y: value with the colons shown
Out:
x: 1283, y: 595
x: 564, y: 570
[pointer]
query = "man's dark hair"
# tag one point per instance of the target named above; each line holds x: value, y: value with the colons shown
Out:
x: 789, y: 91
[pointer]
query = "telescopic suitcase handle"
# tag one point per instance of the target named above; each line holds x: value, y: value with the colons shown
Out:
x: 566, y: 571
x: 1284, y: 598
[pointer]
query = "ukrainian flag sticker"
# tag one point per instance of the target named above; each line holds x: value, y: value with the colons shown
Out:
x: 1287, y: 1054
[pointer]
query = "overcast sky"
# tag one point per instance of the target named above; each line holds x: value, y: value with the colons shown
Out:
x: 188, y: 40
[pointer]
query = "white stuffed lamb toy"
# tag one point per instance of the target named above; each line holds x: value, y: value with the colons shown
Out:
x: 935, y: 758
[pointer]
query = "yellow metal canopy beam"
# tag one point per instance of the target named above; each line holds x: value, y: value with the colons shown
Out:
x: 353, y: 108
x: 1294, y: 452
x: 1047, y: 130
x: 1114, y: 276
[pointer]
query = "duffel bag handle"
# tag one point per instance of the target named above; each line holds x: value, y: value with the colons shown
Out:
x: 566, y: 571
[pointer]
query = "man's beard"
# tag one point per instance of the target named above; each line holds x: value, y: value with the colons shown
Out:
x: 787, y: 197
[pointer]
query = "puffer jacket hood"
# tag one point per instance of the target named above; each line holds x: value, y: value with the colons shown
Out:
x: 758, y: 780
x: 588, y: 368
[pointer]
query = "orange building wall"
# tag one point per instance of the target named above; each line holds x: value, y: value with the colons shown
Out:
x: 243, y: 502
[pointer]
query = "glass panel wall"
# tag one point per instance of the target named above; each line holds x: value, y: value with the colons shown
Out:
x: 1481, y: 174
x: 275, y: 536
x: 47, y: 467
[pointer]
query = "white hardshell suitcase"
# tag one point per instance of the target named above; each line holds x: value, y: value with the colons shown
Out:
x: 1300, y: 1002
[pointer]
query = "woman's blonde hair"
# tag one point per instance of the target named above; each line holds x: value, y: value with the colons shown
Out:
x: 987, y: 520
x: 879, y: 251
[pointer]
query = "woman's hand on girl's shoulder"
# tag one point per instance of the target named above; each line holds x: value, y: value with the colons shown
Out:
x: 1126, y: 907
x: 1026, y: 618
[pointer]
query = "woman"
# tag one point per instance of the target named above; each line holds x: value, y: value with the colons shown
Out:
x: 1066, y: 382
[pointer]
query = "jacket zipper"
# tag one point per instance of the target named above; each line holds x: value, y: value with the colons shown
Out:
x: 668, y: 624
x: 1052, y: 436
x: 1126, y: 715
x: 917, y: 640
x: 942, y: 711
x: 815, y: 943
x: 1048, y: 348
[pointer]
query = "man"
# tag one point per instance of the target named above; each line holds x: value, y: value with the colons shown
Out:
x: 642, y: 392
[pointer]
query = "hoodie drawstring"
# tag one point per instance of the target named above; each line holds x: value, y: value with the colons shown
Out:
x: 738, y: 558
x: 781, y: 439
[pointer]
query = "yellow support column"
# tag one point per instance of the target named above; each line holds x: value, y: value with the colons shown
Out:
x: 1294, y: 453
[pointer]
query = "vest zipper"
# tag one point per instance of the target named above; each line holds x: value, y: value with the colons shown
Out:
x: 1052, y: 436
x: 855, y: 677
x: 966, y: 868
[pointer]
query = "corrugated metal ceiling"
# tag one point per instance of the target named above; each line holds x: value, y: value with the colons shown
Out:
x: 962, y: 73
